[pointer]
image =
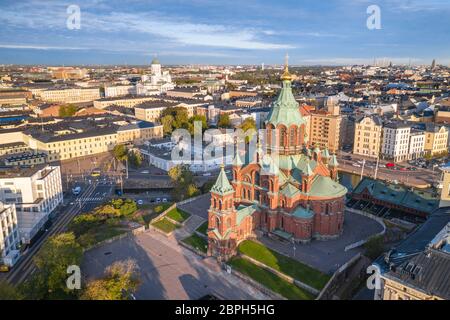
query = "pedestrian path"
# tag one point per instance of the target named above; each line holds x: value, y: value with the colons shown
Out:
x: 189, y: 228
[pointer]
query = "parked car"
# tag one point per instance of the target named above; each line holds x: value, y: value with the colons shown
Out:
x: 158, y: 200
x: 140, y: 202
x: 390, y: 165
x: 164, y: 200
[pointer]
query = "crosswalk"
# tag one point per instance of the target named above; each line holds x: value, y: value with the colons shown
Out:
x: 92, y: 199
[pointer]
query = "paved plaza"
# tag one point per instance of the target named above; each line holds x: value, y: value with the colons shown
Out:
x: 168, y: 271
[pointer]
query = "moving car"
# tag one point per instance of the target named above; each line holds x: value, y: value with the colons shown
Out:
x: 76, y: 191
x: 95, y: 173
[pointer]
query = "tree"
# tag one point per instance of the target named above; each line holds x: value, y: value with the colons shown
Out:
x: 200, y: 118
x: 66, y: 111
x: 183, y: 180
x: 9, y: 292
x: 135, y: 158
x: 167, y: 122
x: 120, y: 152
x: 56, y: 255
x: 374, y: 247
x: 248, y: 124
x: 120, y: 281
x: 224, y: 121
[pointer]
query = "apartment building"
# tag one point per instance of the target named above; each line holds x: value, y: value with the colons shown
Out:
x: 9, y: 235
x: 128, y: 102
x: 152, y: 111
x: 70, y: 95
x: 416, y: 144
x: 368, y: 136
x: 326, y: 128
x: 396, y: 138
x: 436, y: 139
x: 68, y: 145
x: 13, y: 148
x: 139, y: 132
x: 35, y: 191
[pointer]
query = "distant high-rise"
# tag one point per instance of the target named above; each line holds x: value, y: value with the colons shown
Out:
x: 262, y: 66
x: 433, y: 64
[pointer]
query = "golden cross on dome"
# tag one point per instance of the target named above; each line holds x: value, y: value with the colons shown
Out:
x: 286, y: 75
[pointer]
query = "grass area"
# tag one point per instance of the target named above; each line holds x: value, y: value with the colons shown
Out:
x: 178, y: 215
x: 104, y: 222
x: 270, y: 280
x: 165, y: 225
x: 197, y: 242
x: 160, y: 208
x: 284, y: 264
x: 203, y: 228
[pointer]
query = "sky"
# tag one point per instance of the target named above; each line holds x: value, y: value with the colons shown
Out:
x: 312, y: 32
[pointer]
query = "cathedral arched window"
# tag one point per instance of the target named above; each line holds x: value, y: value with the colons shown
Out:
x: 283, y: 136
x: 293, y: 137
x: 217, y: 222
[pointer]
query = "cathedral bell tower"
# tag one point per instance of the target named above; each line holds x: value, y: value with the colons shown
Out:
x: 222, y: 235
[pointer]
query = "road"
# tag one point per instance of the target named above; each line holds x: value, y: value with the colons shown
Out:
x: 92, y: 196
x: 420, y: 178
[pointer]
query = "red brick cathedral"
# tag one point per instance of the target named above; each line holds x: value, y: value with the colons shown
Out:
x: 297, y: 197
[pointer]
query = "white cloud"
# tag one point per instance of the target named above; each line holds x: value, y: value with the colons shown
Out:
x: 179, y: 30
x: 38, y: 47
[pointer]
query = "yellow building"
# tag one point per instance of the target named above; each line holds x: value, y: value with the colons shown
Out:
x: 70, y: 95
x: 368, y: 136
x: 128, y: 102
x: 13, y: 148
x: 152, y: 111
x: 436, y: 139
x: 64, y: 145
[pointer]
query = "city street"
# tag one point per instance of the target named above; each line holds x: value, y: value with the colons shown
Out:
x: 92, y: 196
x: 421, y: 178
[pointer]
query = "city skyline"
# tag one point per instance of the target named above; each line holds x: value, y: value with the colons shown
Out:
x: 205, y: 32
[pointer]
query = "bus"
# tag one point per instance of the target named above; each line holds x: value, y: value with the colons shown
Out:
x: 76, y: 191
x: 96, y: 173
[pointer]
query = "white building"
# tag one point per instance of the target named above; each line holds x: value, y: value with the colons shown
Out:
x: 416, y: 144
x: 118, y: 91
x: 9, y: 235
x: 35, y: 192
x: 158, y: 80
x: 396, y: 139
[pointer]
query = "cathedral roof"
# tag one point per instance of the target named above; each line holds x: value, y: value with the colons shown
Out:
x: 285, y: 110
x: 155, y: 61
x: 326, y: 187
x: 222, y: 185
x: 333, y: 161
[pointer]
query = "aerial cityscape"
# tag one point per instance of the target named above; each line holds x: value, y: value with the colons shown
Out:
x: 167, y: 150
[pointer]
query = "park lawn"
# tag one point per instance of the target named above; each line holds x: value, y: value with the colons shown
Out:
x: 99, y: 234
x: 203, y: 229
x: 284, y: 264
x: 161, y: 207
x: 197, y: 242
x: 178, y: 215
x: 165, y: 225
x: 270, y: 280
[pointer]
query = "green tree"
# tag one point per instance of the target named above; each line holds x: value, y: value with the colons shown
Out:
x: 167, y: 122
x: 66, y: 111
x: 200, y: 118
x: 56, y: 255
x: 135, y: 158
x: 183, y: 180
x: 248, y: 124
x: 120, y: 281
x: 120, y: 152
x: 9, y: 292
x: 374, y: 247
x: 224, y: 121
